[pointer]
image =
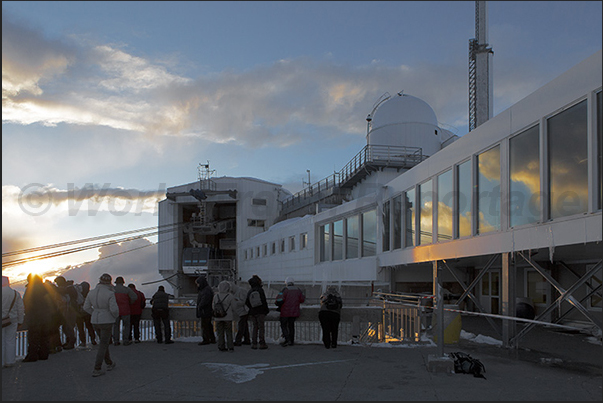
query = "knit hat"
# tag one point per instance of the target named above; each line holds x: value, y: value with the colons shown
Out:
x: 60, y: 280
x: 105, y: 279
x: 5, y: 282
x: 289, y: 281
x: 119, y: 280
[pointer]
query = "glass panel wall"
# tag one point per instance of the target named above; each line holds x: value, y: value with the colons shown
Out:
x: 338, y: 240
x: 353, y: 234
x: 524, y: 177
x: 463, y: 194
x: 599, y: 148
x: 409, y: 218
x: 325, y: 243
x: 369, y: 233
x: 397, y: 206
x: 488, y: 182
x: 385, y: 219
x: 445, y: 198
x: 426, y: 213
x: 568, y: 157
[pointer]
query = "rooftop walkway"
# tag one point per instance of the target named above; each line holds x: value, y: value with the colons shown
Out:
x: 549, y: 365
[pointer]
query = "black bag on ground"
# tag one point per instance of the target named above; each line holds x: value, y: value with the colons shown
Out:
x: 465, y: 364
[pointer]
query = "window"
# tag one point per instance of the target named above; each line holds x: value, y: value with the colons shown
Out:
x: 325, y: 243
x: 265, y: 249
x: 426, y: 213
x: 568, y: 157
x: 463, y: 199
x: 353, y: 234
x: 257, y: 251
x: 303, y: 240
x: 291, y: 243
x: 282, y: 246
x: 338, y: 240
x: 255, y: 223
x: 369, y: 233
x: 599, y: 148
x: 259, y: 202
x: 445, y: 199
x: 524, y: 177
x: 385, y: 221
x: 397, y: 205
x: 273, y: 248
x: 488, y: 185
x: 409, y: 218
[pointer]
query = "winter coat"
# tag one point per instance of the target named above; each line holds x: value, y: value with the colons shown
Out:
x: 323, y: 300
x: 17, y: 313
x: 240, y: 294
x: 38, y: 304
x: 102, y: 305
x: 228, y: 301
x: 160, y: 300
x: 137, y: 306
x: 293, y: 296
x: 124, y: 296
x: 204, y: 299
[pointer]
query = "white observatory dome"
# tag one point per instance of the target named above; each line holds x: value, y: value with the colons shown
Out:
x: 404, y: 120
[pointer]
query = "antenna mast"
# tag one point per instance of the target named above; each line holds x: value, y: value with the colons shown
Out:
x: 480, y: 71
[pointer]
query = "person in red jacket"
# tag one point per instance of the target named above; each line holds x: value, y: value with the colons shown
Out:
x: 135, y: 313
x: 292, y: 297
x: 124, y: 296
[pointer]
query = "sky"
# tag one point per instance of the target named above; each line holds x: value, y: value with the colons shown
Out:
x: 107, y: 104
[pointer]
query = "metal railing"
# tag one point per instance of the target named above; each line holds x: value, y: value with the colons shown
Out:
x: 394, y: 322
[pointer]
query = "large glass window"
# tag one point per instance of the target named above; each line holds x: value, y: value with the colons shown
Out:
x: 352, y: 237
x: 385, y: 219
x: 568, y: 157
x: 445, y: 199
x: 325, y: 243
x: 426, y: 213
x: 463, y: 194
x: 338, y: 240
x: 397, y: 222
x: 600, y: 147
x: 369, y: 233
x: 409, y: 218
x: 524, y: 178
x: 488, y: 182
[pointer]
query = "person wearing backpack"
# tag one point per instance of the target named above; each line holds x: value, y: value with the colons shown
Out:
x: 293, y: 297
x: 329, y: 316
x: 258, y: 309
x: 160, y: 312
x: 223, y: 308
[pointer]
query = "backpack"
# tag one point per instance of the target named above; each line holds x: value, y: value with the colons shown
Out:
x: 332, y: 302
x: 465, y: 364
x: 219, y: 310
x: 255, y: 299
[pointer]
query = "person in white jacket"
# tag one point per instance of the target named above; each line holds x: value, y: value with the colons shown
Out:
x: 12, y: 307
x: 102, y: 306
x: 224, y: 324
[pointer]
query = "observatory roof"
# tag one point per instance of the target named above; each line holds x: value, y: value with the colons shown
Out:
x: 403, y: 108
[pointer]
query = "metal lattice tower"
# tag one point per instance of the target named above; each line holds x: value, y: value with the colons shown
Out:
x: 480, y: 72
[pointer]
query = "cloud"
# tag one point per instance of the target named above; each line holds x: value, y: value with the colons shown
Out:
x: 281, y: 104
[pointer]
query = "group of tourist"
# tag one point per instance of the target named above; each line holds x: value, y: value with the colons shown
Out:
x: 111, y: 313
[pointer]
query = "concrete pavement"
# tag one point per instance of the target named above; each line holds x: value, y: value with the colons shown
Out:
x: 185, y: 371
